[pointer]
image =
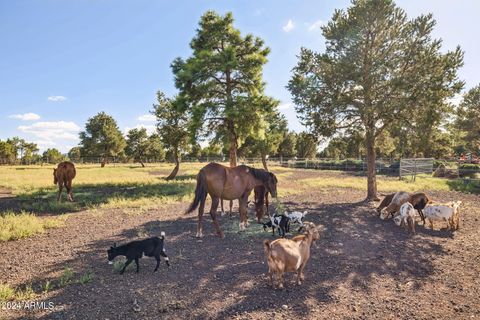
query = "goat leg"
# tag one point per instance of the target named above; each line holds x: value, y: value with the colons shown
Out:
x: 422, y: 216
x: 158, y: 263
x: 138, y: 264
x: 167, y: 261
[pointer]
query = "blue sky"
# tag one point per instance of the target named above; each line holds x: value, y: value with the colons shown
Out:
x: 61, y: 62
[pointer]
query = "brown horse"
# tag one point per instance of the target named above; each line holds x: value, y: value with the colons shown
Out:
x: 63, y: 176
x: 222, y: 182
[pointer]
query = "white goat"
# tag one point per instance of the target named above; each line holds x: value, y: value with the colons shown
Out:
x: 406, y: 217
x: 446, y: 212
x: 297, y: 217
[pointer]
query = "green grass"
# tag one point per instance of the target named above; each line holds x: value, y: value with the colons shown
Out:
x: 384, y: 184
x: 86, y: 277
x: 17, y: 226
x: 94, y: 187
x: 66, y: 277
x: 7, y: 293
x: 47, y: 287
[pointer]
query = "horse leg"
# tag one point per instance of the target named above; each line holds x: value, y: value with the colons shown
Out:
x: 221, y: 206
x: 242, y: 203
x: 60, y: 189
x: 69, y: 190
x: 213, y: 214
x: 231, y: 206
x: 201, y: 209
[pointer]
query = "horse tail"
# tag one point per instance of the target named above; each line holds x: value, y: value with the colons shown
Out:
x: 200, y: 191
x: 266, y: 247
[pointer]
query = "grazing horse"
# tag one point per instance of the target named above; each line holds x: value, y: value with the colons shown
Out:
x: 222, y: 182
x: 63, y: 176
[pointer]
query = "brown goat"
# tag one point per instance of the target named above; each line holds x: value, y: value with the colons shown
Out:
x: 63, y: 176
x: 385, y: 202
x: 418, y: 200
x: 290, y: 255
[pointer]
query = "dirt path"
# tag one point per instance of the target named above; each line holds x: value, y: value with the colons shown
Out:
x: 361, y: 268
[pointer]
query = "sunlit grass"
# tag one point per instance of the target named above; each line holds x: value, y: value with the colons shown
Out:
x: 22, y: 225
x: 384, y: 184
x: 8, y: 293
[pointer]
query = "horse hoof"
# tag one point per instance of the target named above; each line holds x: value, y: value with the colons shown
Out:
x: 221, y: 235
x: 199, y: 235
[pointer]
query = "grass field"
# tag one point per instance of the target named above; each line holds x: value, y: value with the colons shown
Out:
x: 28, y: 195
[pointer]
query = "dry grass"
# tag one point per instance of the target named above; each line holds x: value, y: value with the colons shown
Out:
x: 17, y: 226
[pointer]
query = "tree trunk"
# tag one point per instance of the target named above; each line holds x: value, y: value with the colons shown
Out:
x: 371, y: 168
x: 264, y: 161
x: 141, y: 162
x: 104, y: 162
x: 233, y: 145
x: 173, y: 174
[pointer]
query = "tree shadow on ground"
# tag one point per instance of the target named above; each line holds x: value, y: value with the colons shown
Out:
x: 43, y: 201
x: 220, y: 278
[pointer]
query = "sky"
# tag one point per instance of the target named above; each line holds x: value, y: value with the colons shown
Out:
x: 62, y: 62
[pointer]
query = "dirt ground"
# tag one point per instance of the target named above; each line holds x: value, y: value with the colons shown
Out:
x: 361, y: 268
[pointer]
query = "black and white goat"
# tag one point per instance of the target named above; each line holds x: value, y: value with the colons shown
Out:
x: 151, y: 247
x: 280, y: 222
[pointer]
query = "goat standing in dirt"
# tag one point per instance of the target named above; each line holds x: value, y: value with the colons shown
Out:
x: 63, y: 176
x: 290, y: 255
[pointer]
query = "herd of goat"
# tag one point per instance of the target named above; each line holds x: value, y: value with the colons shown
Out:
x: 405, y: 207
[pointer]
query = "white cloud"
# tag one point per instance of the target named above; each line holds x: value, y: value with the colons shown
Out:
x: 151, y: 128
x: 29, y: 116
x: 285, y: 106
x: 49, y: 133
x: 289, y: 26
x: 57, y: 98
x: 315, y: 26
x: 147, y: 118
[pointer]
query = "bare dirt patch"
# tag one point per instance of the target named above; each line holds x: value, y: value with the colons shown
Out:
x: 361, y: 268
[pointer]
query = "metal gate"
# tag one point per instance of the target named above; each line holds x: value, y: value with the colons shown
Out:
x: 412, y: 167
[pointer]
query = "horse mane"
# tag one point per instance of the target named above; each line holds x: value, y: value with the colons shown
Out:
x: 259, y: 174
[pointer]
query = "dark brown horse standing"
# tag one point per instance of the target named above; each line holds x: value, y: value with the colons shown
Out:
x: 227, y: 183
x: 63, y: 176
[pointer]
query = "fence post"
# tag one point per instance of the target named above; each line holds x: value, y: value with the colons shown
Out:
x: 415, y: 170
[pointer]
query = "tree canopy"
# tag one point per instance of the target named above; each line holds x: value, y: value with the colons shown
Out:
x: 222, y: 82
x: 102, y: 137
x: 378, y: 69
x: 468, y: 120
